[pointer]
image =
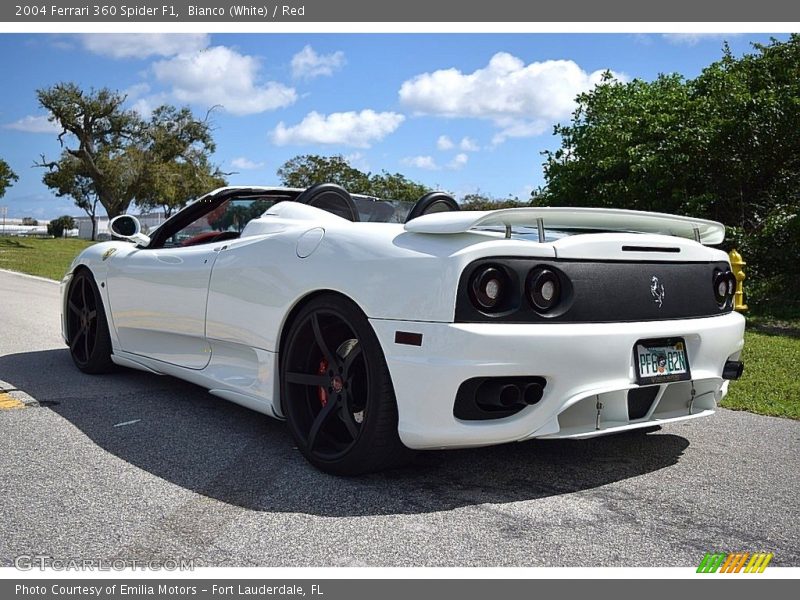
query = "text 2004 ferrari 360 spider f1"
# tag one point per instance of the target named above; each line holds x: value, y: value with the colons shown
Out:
x: 372, y: 329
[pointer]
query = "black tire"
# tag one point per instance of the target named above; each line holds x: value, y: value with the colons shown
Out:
x: 87, y: 328
x: 336, y: 390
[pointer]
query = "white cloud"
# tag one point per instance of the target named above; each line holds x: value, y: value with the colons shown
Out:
x: 140, y: 102
x: 692, y: 39
x: 516, y: 128
x: 459, y: 162
x: 221, y: 76
x: 421, y: 162
x: 429, y: 163
x: 518, y: 98
x: 143, y: 45
x: 135, y: 91
x: 307, y: 64
x: 146, y: 106
x: 356, y: 129
x: 467, y: 144
x: 444, y: 143
x: 245, y: 164
x: 34, y: 124
x: 357, y: 160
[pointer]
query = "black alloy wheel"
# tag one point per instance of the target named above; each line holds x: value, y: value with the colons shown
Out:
x: 87, y: 328
x: 336, y: 390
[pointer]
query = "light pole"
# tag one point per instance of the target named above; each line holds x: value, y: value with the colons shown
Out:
x: 4, y: 211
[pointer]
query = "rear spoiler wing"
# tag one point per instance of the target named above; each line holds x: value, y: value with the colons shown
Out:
x: 705, y: 232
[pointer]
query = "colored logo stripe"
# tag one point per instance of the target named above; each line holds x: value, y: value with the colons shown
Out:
x: 711, y: 562
x: 735, y: 562
x: 759, y: 562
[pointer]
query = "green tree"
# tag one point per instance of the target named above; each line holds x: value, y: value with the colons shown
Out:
x: 56, y: 227
x: 113, y: 157
x: 479, y: 201
x: 723, y: 145
x: 175, y: 149
x: 629, y: 145
x: 394, y: 186
x: 7, y: 177
x: 95, y: 133
x: 308, y: 169
x: 71, y: 179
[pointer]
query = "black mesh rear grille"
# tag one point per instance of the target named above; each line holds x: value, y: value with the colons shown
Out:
x: 601, y: 291
x: 640, y: 400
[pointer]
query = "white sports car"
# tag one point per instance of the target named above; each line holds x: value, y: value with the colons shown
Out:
x: 373, y: 330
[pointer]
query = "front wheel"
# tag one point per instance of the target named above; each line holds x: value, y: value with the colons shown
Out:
x: 336, y: 390
x: 87, y: 328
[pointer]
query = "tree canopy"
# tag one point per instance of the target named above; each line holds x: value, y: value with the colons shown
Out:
x: 7, y: 177
x: 308, y: 169
x: 480, y: 201
x: 57, y: 226
x: 175, y: 154
x: 723, y: 145
x: 112, y: 156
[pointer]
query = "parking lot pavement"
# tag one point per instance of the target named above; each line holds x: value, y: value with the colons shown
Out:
x: 133, y: 465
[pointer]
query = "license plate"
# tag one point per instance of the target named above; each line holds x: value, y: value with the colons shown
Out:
x: 660, y: 361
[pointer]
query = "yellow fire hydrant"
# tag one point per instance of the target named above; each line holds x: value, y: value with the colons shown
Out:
x: 737, y: 266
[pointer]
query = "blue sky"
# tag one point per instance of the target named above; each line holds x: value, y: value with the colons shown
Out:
x: 462, y: 112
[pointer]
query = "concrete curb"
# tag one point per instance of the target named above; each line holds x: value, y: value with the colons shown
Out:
x: 12, y: 391
x: 29, y: 276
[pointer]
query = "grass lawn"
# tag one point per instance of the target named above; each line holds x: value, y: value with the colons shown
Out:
x: 44, y: 257
x: 770, y: 385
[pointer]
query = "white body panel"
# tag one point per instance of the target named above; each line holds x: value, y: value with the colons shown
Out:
x: 214, y: 315
x: 158, y: 302
x: 428, y: 377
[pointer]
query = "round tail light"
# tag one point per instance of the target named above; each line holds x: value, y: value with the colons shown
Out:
x: 724, y: 287
x: 488, y: 288
x: 544, y: 289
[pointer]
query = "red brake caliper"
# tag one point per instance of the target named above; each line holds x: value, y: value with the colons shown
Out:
x: 321, y: 391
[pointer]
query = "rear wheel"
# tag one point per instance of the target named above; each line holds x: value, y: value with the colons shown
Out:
x: 336, y: 390
x: 87, y: 328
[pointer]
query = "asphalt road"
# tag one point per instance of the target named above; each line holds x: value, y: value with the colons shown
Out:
x: 132, y: 465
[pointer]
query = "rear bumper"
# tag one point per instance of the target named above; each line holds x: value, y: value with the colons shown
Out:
x: 583, y: 365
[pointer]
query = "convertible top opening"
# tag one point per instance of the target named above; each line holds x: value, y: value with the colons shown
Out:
x: 335, y: 199
x: 223, y: 214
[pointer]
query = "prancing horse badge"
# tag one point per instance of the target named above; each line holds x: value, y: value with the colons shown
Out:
x: 657, y: 291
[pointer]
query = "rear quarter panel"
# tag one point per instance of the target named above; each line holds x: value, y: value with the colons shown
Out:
x: 388, y: 273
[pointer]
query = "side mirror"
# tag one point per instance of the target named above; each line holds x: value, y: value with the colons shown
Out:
x: 128, y: 228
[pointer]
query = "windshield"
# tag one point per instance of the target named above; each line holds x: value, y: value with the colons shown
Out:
x: 374, y: 210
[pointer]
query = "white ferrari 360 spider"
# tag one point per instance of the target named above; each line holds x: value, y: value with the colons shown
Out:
x: 372, y: 329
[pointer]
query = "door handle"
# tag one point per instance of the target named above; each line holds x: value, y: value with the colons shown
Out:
x: 169, y: 259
